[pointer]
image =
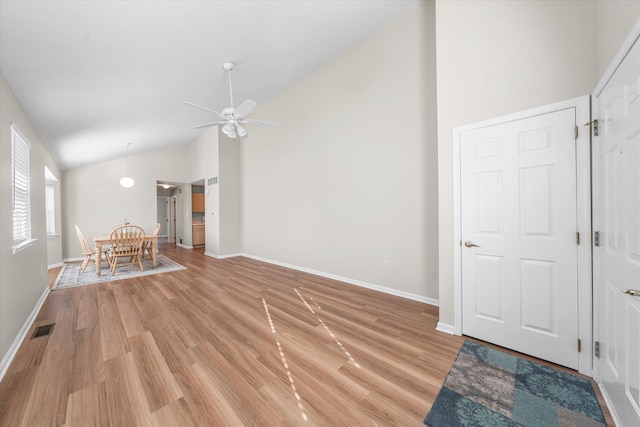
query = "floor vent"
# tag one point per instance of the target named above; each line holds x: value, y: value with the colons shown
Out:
x: 43, y: 330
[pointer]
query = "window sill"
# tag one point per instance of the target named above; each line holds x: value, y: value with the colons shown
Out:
x: 52, y: 236
x: 22, y: 245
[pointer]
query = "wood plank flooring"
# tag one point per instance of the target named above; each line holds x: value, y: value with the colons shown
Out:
x: 228, y: 343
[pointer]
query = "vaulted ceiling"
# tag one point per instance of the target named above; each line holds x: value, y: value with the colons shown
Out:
x: 95, y: 75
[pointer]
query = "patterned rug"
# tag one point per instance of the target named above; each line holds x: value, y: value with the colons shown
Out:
x: 70, y: 275
x: 487, y: 387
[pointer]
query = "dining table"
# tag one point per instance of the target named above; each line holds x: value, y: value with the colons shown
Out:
x: 105, y: 240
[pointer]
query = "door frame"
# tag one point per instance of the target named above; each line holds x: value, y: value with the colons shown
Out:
x: 582, y: 108
x: 622, y: 52
x: 173, y: 227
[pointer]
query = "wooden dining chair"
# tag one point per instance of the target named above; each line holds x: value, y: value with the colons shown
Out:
x: 87, y: 251
x: 114, y: 226
x: 147, y: 247
x: 126, y: 242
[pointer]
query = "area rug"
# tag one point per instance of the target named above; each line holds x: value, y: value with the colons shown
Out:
x: 487, y: 387
x: 70, y: 275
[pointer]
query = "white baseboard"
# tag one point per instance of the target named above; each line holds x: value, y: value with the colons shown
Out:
x: 8, y: 357
x: 76, y: 259
x: 607, y: 401
x: 360, y: 283
x: 216, y: 256
x: 57, y: 264
x: 180, y: 245
x: 446, y: 328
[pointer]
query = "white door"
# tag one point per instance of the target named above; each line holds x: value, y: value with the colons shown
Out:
x: 519, y: 250
x: 617, y: 219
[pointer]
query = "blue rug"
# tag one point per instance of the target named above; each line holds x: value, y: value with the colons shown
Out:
x: 487, y: 387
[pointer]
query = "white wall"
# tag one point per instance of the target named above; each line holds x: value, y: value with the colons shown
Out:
x: 349, y: 178
x: 229, y: 193
x: 205, y: 156
x: 496, y: 58
x: 23, y: 278
x: 613, y: 21
x: 94, y: 200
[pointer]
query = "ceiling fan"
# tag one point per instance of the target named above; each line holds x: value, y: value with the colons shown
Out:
x: 232, y: 118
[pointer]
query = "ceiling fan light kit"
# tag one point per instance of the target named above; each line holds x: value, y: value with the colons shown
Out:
x: 232, y: 118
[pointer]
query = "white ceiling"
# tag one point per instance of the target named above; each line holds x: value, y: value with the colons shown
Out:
x: 95, y: 75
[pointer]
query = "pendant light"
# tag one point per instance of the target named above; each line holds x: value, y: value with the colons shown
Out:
x: 126, y: 181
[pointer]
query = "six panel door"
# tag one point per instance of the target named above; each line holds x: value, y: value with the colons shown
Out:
x: 519, y: 254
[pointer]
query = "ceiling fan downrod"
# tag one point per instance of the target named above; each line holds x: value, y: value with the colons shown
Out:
x: 229, y: 66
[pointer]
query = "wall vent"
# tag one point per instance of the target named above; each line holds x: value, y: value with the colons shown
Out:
x: 212, y: 181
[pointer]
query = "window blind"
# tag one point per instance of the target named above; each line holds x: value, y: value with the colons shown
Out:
x: 20, y: 148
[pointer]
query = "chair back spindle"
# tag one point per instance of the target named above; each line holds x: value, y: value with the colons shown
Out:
x: 148, y: 247
x: 126, y: 241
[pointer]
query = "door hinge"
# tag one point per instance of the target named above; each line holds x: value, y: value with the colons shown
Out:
x: 593, y: 122
x: 577, y: 237
x: 596, y: 238
x: 596, y: 349
x: 579, y: 345
x: 576, y: 133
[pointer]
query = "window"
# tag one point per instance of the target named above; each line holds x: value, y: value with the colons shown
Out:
x: 50, y: 201
x: 20, y: 148
x: 49, y: 205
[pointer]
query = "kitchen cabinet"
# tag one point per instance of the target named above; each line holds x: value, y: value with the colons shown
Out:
x: 197, y: 202
x: 198, y: 234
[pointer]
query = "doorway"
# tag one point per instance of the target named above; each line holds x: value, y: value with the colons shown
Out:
x: 167, y: 196
x: 163, y: 216
x: 522, y: 275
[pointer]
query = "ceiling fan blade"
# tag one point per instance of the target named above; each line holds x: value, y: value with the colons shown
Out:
x: 203, y: 108
x: 206, y: 125
x: 259, y: 123
x: 245, y: 108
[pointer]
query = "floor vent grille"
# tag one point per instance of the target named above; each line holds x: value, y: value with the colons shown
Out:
x: 43, y: 330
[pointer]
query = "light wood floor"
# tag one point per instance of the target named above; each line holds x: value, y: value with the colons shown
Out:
x: 227, y: 343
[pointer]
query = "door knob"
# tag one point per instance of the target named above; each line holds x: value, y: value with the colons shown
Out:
x: 632, y: 292
x: 470, y: 244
